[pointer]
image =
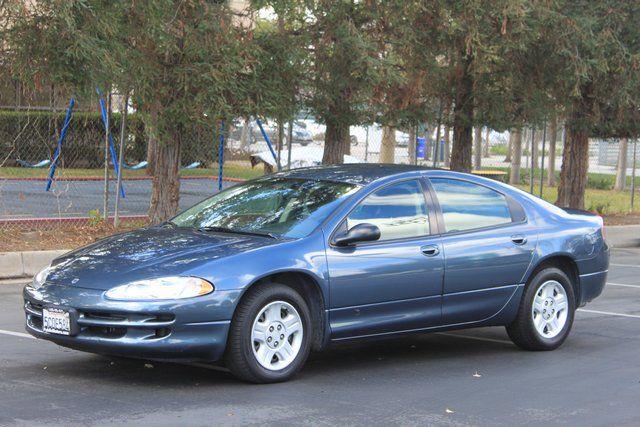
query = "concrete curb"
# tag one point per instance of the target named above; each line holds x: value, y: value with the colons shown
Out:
x: 622, y: 236
x: 25, y: 264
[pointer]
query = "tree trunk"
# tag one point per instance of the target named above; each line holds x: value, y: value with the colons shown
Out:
x: 507, y: 159
x: 486, y: 151
x: 165, y: 190
x: 347, y: 141
x: 447, y: 147
x: 477, y: 148
x: 515, y: 139
x: 463, y: 113
x: 621, y: 168
x: 551, y: 166
x: 152, y: 140
x: 412, y: 145
x: 388, y: 147
x: 334, y: 146
x: 573, y: 174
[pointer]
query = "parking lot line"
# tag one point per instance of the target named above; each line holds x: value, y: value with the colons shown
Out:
x: 609, y: 313
x: 624, y: 265
x: 622, y: 284
x: 16, y: 334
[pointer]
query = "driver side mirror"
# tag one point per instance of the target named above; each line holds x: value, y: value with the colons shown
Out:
x: 359, y: 233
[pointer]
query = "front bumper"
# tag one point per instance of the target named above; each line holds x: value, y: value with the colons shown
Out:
x: 193, y: 329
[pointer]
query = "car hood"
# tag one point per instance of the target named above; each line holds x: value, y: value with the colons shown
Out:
x: 147, y: 253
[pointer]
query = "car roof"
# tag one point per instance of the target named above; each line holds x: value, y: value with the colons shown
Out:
x: 353, y: 173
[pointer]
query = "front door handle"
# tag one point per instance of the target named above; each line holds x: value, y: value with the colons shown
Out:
x: 430, y: 250
x: 519, y: 239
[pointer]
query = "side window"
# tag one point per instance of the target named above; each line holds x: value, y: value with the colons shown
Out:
x: 399, y: 211
x: 466, y: 205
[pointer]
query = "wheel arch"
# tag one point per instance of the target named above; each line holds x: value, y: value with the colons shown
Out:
x: 310, y: 289
x: 564, y: 262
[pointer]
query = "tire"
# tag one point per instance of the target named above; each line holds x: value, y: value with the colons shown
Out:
x: 534, y: 328
x: 247, y: 355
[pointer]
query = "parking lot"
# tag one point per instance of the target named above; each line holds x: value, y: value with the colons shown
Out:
x: 471, y: 377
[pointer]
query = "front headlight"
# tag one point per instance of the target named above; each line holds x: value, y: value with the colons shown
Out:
x: 39, y: 279
x: 161, y: 289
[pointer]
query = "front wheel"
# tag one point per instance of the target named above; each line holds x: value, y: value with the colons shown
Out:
x: 270, y: 334
x: 546, y: 312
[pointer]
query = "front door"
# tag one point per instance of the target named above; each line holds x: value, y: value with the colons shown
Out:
x: 392, y: 284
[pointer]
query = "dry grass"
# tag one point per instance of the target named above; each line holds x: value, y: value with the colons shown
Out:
x: 60, y: 236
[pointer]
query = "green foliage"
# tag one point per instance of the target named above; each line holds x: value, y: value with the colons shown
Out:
x: 95, y: 217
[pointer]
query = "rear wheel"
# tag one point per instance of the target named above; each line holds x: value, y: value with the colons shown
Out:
x: 546, y: 312
x: 270, y: 334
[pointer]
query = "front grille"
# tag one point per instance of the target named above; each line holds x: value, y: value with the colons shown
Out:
x: 110, y: 325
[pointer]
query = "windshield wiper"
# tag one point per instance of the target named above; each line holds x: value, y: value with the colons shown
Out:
x: 234, y: 231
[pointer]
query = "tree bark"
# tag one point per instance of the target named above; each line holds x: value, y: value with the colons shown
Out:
x: 463, y: 113
x: 516, y: 156
x: 334, y: 146
x: 152, y: 140
x: 347, y: 141
x: 573, y: 174
x: 551, y: 165
x: 388, y: 147
x: 621, y: 168
x: 575, y: 155
x: 477, y: 148
x: 165, y: 190
x: 507, y: 159
x: 412, y: 145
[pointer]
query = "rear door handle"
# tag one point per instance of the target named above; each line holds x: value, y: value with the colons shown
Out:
x: 430, y: 250
x: 518, y: 239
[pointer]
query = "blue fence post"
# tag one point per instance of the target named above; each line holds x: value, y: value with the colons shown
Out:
x: 112, y: 149
x: 63, y: 134
x: 220, y: 154
x: 266, y: 138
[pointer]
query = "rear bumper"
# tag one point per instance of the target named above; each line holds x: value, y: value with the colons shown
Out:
x: 591, y: 286
x: 170, y: 331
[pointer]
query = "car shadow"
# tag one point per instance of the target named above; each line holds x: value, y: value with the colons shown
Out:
x: 424, y: 353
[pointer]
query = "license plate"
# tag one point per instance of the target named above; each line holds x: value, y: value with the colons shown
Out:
x: 56, y: 321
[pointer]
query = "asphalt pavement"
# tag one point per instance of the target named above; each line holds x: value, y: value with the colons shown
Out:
x: 75, y: 198
x: 471, y: 377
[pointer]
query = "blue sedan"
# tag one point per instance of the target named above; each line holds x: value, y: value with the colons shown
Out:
x: 266, y: 271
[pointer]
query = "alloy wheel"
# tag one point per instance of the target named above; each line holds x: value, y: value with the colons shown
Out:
x: 550, y: 309
x: 276, y: 335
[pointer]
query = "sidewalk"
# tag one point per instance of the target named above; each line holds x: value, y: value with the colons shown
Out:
x: 623, y: 236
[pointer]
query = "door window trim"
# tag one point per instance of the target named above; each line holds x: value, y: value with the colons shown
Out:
x: 516, y: 211
x: 431, y: 213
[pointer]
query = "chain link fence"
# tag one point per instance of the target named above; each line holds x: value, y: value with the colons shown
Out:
x: 31, y: 128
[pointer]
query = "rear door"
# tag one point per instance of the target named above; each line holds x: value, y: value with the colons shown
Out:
x: 488, y: 245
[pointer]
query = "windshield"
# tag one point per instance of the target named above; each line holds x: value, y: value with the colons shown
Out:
x: 280, y: 206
